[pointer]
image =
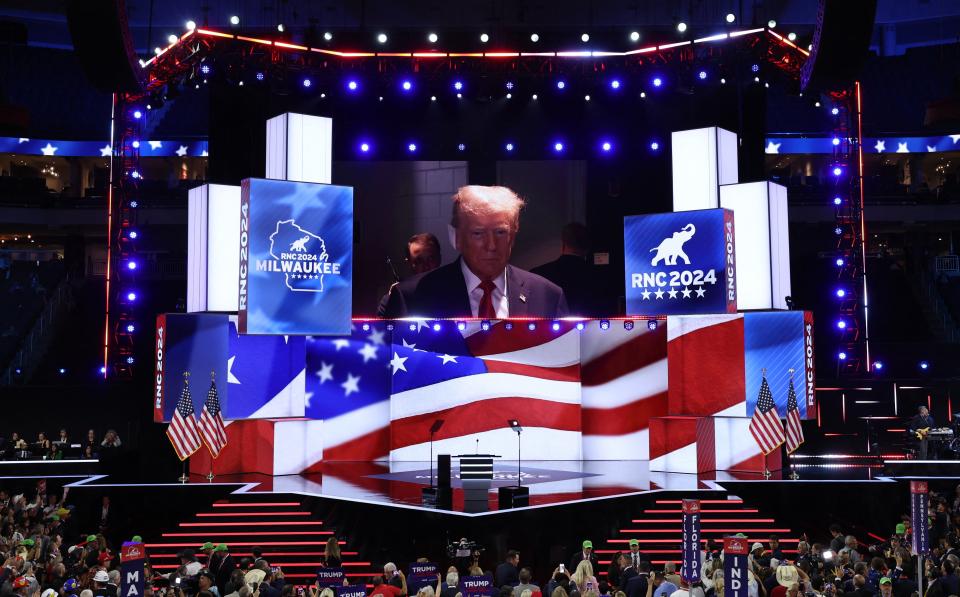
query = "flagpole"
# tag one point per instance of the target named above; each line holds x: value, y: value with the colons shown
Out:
x: 184, y: 477
x: 213, y: 379
x: 766, y: 471
x: 793, y: 473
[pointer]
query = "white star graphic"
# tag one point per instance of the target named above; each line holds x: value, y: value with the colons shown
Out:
x: 881, y: 146
x: 22, y: 140
x: 645, y: 294
x: 397, y: 363
x: 350, y: 386
x: 773, y: 147
x: 369, y: 351
x: 49, y: 149
x: 658, y: 294
x: 376, y: 336
x: 412, y: 347
x: 701, y: 292
x: 325, y: 373
x: 422, y: 323
x: 340, y: 343
x: 204, y: 153
x: 672, y: 293
x: 955, y: 138
x: 105, y: 151
x: 931, y: 148
x: 231, y: 378
x: 447, y: 359
x: 182, y: 151
x: 306, y: 398
x: 686, y: 292
x: 902, y: 147
x: 155, y: 145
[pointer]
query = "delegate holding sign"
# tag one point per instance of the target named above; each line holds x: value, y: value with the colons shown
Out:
x: 690, y: 566
x: 735, y: 571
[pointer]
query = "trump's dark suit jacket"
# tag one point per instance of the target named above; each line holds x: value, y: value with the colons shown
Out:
x: 443, y: 293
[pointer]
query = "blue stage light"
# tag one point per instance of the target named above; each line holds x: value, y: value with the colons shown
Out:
x: 837, y: 200
x: 509, y: 85
x: 837, y: 171
x: 130, y: 328
x: 878, y: 365
x: 558, y: 147
x: 461, y: 326
x: 365, y: 147
x: 836, y: 141
x: 841, y: 293
x: 137, y: 114
x: 366, y: 327
x: 260, y: 76
x: 412, y: 327
x: 129, y: 360
x: 133, y: 234
x: 135, y: 144
x: 842, y: 356
x: 841, y: 324
x: 838, y: 231
x: 135, y: 174
x: 657, y: 81
x: 839, y: 261
x: 580, y: 325
x: 555, y: 326
x: 755, y: 68
x: 924, y: 365
x: 131, y: 265
x: 561, y: 84
x: 352, y: 85
x: 134, y: 204
x: 461, y: 147
x: 61, y: 371
x: 531, y: 326
x: 628, y: 325
x: 205, y: 69
x: 103, y: 370
x: 458, y: 85
x: 654, y: 146
x: 508, y: 326
x: 702, y: 75
x: 835, y: 111
x: 615, y: 84
x: 18, y: 371
x: 436, y: 326
x: 131, y: 296
x: 389, y: 327
x: 651, y: 324
x: 606, y: 146
x: 406, y: 85
x: 508, y: 146
x: 412, y: 147
x: 485, y: 325
x: 307, y: 83
x: 604, y: 324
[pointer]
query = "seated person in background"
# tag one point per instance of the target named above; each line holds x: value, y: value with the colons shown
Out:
x: 42, y: 446
x: 918, y: 426
x: 481, y: 283
x: 110, y: 440
x: 423, y: 255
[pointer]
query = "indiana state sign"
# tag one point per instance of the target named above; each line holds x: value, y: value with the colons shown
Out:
x: 680, y: 263
x: 296, y: 258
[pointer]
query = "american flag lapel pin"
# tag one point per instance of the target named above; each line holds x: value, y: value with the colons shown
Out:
x: 523, y: 298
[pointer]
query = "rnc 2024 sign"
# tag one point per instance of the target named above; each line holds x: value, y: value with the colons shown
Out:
x: 680, y: 263
x: 296, y: 258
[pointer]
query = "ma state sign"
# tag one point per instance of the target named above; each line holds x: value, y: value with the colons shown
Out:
x: 680, y: 263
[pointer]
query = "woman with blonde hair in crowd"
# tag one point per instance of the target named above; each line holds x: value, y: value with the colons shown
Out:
x: 583, y: 577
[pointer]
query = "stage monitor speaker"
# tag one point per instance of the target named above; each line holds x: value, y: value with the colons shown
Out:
x: 443, y: 470
x: 102, y: 42
x: 512, y: 496
x: 840, y: 44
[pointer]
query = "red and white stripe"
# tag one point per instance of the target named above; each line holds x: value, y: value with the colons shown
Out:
x: 213, y: 431
x: 794, y: 430
x: 183, y: 435
x: 767, y: 430
x: 533, y: 377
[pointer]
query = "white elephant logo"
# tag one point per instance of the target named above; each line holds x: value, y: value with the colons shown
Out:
x: 672, y: 247
x: 299, y: 245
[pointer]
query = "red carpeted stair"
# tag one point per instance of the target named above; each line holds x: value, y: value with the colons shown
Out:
x: 659, y: 530
x: 288, y: 533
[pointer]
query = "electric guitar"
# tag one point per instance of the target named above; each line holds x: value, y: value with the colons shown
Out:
x: 922, y: 433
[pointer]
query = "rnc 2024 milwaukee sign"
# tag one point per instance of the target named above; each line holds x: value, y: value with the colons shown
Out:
x: 680, y: 263
x: 296, y: 258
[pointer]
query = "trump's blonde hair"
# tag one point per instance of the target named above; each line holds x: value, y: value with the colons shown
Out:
x: 479, y: 199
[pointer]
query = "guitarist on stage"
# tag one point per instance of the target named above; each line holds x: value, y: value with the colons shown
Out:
x: 919, y: 427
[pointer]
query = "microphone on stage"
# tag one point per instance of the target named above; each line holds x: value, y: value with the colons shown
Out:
x: 478, y: 445
x: 393, y: 270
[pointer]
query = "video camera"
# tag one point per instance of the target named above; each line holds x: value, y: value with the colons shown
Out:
x: 464, y: 548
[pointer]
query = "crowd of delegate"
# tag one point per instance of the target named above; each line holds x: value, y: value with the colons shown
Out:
x: 46, y: 553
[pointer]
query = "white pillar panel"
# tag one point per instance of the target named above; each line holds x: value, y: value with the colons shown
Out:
x: 703, y: 159
x: 300, y: 148
x: 763, y: 243
x: 213, y: 258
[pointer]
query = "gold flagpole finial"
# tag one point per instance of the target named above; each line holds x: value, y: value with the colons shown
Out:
x: 791, y: 372
x: 213, y: 375
x: 186, y: 376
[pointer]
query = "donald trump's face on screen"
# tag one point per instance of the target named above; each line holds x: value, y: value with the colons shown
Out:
x: 486, y: 223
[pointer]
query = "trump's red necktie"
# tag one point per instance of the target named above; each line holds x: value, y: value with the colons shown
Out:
x: 486, y: 309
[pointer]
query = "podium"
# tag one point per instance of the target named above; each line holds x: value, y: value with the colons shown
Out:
x: 476, y: 474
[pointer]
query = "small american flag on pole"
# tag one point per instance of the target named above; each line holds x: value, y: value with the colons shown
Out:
x: 212, y: 429
x: 182, y: 430
x: 765, y: 424
x: 794, y: 430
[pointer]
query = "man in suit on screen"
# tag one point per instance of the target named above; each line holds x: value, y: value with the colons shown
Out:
x: 481, y: 282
